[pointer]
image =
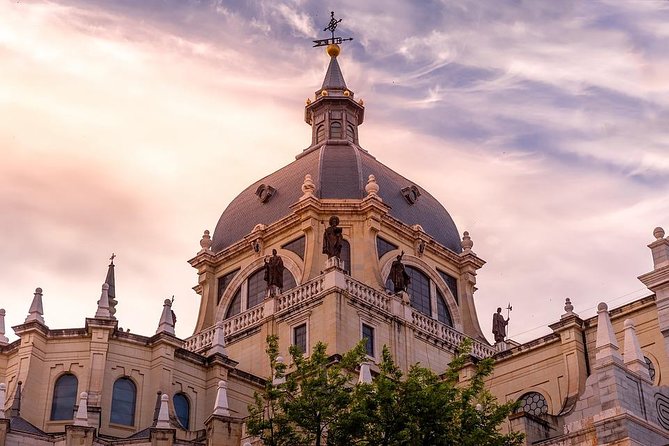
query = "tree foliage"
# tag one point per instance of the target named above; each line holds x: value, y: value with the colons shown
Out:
x: 320, y: 403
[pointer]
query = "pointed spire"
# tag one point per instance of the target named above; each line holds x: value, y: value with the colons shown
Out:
x: 218, y: 342
x: 3, y: 397
x: 156, y: 408
x: 36, y: 311
x: 81, y: 418
x: 166, y: 324
x: 164, y: 414
x: 222, y: 408
x: 606, y: 345
x: 365, y: 374
x: 334, y: 79
x: 3, y: 338
x: 110, y: 280
x: 632, y: 355
x: 103, y: 303
x: 15, y: 410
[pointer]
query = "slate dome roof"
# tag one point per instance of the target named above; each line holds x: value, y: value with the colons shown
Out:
x: 339, y: 172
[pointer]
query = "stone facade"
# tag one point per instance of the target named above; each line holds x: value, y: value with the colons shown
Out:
x: 577, y: 385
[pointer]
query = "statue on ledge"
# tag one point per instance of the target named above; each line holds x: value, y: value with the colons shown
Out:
x: 274, y: 273
x: 499, y: 326
x: 332, y: 238
x: 398, y: 275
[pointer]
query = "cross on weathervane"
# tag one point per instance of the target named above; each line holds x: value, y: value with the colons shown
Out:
x: 113, y: 256
x: 332, y: 26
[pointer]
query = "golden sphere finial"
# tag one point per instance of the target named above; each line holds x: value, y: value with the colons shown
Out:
x: 333, y: 50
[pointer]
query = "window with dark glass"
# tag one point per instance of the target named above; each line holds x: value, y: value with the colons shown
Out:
x: 296, y: 246
x: 288, y: 280
x: 64, y: 397
x: 300, y: 337
x: 320, y: 133
x: 235, y: 304
x: 223, y: 283
x: 335, y: 130
x: 451, y: 283
x: 257, y: 288
x: 443, y: 315
x: 182, y: 409
x: 368, y: 336
x: 419, y: 291
x: 383, y: 247
x: 123, y: 402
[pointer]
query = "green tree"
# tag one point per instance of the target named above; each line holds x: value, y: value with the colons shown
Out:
x: 320, y: 404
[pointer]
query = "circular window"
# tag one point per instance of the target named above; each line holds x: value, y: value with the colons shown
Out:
x: 533, y: 403
x: 651, y: 368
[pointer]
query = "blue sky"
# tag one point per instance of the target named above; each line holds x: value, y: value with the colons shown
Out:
x: 129, y: 126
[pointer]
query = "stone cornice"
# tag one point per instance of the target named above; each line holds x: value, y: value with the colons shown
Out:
x: 656, y: 277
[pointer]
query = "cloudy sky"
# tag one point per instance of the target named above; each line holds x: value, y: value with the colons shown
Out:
x: 129, y: 126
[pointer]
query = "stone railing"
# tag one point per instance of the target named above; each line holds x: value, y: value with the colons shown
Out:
x: 298, y: 295
x: 447, y: 334
x: 200, y: 341
x: 368, y: 295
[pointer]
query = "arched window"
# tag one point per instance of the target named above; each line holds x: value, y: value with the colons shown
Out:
x: 64, y: 397
x: 350, y: 133
x: 443, y: 315
x: 257, y: 288
x: 182, y: 409
x: 320, y: 133
x: 235, y: 305
x: 419, y: 291
x: 335, y: 130
x: 533, y: 403
x: 123, y: 402
x: 255, y: 291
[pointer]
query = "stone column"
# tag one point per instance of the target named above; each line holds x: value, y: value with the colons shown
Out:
x: 658, y: 281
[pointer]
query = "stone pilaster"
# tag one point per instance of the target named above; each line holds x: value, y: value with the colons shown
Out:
x: 658, y: 281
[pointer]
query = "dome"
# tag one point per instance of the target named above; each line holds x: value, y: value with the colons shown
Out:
x: 339, y: 172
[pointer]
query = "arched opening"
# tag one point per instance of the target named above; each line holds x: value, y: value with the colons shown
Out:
x: 254, y: 291
x: 443, y: 315
x: 124, y: 398
x: 533, y: 403
x: 335, y: 130
x: 182, y: 409
x: 64, y: 397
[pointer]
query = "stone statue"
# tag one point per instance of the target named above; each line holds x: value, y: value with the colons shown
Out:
x: 499, y: 326
x: 399, y: 275
x: 332, y: 238
x: 274, y: 272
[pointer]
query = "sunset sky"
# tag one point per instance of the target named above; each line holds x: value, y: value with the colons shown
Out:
x: 128, y: 126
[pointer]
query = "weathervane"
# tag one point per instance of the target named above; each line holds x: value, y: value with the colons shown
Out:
x: 332, y: 26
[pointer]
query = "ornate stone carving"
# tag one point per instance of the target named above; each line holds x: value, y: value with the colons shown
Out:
x: 265, y: 192
x: 411, y: 193
x: 205, y: 241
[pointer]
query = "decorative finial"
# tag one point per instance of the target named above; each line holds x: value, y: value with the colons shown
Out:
x: 333, y: 41
x: 103, y: 303
x: 222, y: 407
x: 164, y: 414
x: 205, y: 242
x: 111, y: 259
x: 632, y: 356
x: 308, y: 187
x: 466, y: 242
x: 658, y: 233
x: 36, y: 311
x: 166, y: 324
x: 81, y: 418
x: 3, y: 338
x: 568, y: 307
x: 372, y: 187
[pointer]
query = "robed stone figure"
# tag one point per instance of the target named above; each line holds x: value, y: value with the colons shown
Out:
x: 398, y: 274
x: 274, y: 272
x: 332, y: 238
x: 499, y: 326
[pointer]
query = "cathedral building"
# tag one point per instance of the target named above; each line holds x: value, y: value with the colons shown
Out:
x: 333, y: 247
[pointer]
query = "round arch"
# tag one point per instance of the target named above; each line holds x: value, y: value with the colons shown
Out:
x: 550, y: 409
x: 409, y: 260
x: 249, y: 269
